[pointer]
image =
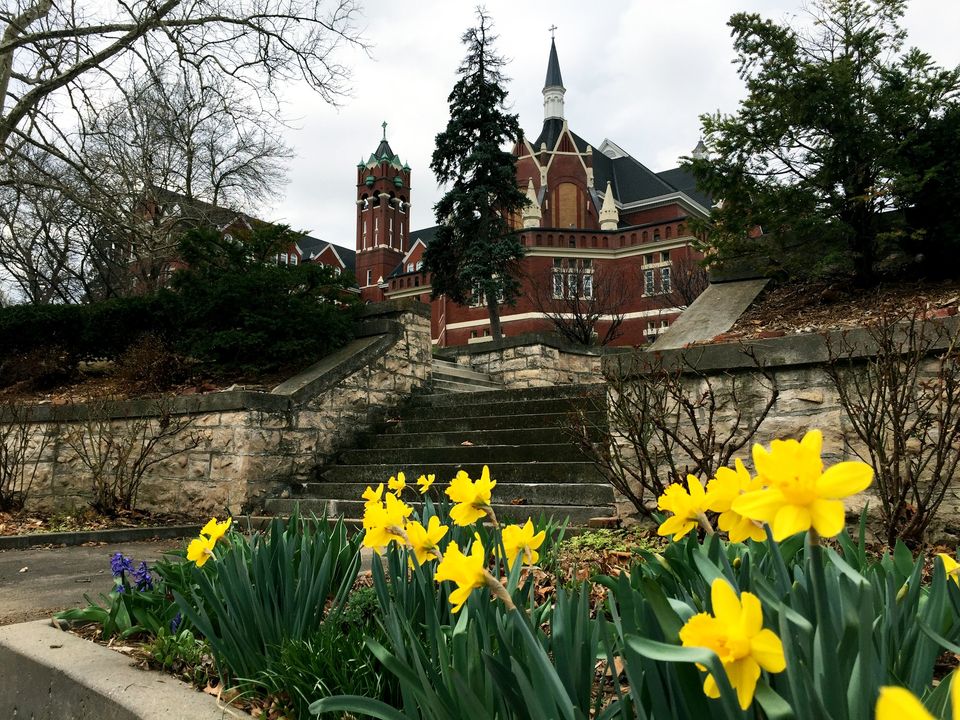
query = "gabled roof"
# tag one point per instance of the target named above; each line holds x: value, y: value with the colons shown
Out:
x: 424, y: 236
x: 550, y: 133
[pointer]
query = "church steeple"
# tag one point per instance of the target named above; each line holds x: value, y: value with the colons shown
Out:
x: 553, y: 89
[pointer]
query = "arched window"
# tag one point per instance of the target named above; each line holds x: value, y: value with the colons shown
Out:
x: 667, y: 232
x: 643, y: 236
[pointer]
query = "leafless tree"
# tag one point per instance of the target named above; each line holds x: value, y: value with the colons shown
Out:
x: 162, y: 157
x: 77, y: 79
x: 585, y: 300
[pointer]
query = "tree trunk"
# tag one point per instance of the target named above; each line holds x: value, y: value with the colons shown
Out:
x: 495, y: 332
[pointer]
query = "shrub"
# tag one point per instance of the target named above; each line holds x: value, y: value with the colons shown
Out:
x: 150, y: 364
x: 40, y: 368
x: 22, y: 445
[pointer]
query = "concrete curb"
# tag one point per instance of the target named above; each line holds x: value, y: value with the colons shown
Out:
x: 79, y: 537
x: 50, y: 674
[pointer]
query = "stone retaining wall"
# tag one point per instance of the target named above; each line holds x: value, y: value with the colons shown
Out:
x: 532, y: 360
x: 234, y: 447
x: 807, y: 397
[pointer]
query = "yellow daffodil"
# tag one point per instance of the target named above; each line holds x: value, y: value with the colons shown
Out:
x: 521, y: 541
x: 736, y: 634
x: 216, y: 530
x: 200, y: 549
x: 951, y: 566
x: 799, y: 493
x: 722, y: 491
x: 472, y: 498
x: 382, y: 521
x: 425, y: 541
x: 424, y: 482
x: 688, y: 507
x: 373, y: 496
x: 397, y: 484
x: 897, y: 703
x: 467, y: 571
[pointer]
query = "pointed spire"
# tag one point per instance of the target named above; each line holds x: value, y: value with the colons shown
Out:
x: 554, y: 79
x: 553, y: 89
x: 609, y: 217
x: 531, y: 211
x: 700, y: 152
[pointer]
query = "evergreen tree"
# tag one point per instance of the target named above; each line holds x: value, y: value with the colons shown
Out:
x: 474, y: 254
x: 815, y: 152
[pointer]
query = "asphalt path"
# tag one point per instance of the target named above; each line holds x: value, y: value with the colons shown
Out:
x: 38, y: 582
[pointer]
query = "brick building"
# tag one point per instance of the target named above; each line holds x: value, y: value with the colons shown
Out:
x: 597, y: 221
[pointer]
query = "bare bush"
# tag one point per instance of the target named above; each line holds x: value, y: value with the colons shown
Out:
x: 22, y: 444
x: 117, y: 453
x: 899, y: 386
x: 665, y: 421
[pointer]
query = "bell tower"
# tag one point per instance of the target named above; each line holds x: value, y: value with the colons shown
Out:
x: 383, y: 218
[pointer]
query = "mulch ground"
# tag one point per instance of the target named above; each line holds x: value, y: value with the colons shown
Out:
x: 823, y: 306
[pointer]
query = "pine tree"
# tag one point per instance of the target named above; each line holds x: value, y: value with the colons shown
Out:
x: 474, y: 255
x: 814, y: 152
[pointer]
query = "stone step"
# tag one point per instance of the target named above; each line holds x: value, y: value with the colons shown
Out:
x: 443, y: 386
x: 479, y: 405
x: 504, y: 493
x: 576, y: 515
x: 413, y: 455
x: 445, y: 439
x: 449, y: 370
x: 512, y: 421
x: 510, y: 473
x: 591, y: 394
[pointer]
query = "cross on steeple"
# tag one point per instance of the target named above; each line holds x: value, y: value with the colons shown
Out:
x: 552, y: 29
x: 384, y: 129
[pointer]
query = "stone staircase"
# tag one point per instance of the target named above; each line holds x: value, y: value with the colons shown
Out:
x: 448, y: 377
x: 465, y: 424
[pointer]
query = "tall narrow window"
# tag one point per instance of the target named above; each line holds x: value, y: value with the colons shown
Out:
x: 588, y: 285
x: 648, y: 287
x: 665, y: 285
x: 369, y: 277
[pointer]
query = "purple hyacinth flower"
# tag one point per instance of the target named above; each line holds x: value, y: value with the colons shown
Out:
x: 175, y: 623
x: 142, y: 577
x: 120, y: 564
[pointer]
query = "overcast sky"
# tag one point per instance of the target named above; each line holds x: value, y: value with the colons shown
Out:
x: 637, y: 72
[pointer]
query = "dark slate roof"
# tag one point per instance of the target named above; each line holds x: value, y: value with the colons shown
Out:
x: 684, y: 181
x: 630, y: 179
x: 384, y: 149
x: 550, y: 132
x: 426, y: 235
x: 553, y: 68
x: 310, y: 247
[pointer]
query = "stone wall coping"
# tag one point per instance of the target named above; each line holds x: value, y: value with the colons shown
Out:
x: 525, y: 340
x: 378, y: 330
x: 780, y: 352
x: 49, y: 673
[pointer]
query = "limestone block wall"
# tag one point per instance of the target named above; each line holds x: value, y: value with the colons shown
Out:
x: 227, y: 450
x: 534, y: 360
x: 807, y: 399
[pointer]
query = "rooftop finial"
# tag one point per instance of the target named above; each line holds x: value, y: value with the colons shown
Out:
x: 384, y: 129
x: 552, y: 29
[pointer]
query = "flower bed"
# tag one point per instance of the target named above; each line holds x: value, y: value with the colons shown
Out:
x: 788, y: 616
